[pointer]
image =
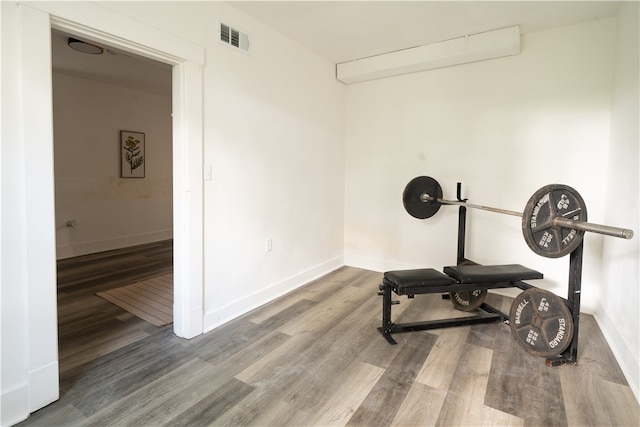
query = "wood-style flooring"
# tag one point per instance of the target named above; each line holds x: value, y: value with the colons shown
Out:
x: 312, y: 358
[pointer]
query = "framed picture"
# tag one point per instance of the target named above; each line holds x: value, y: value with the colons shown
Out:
x: 132, y: 160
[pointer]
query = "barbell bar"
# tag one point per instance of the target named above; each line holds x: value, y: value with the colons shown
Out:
x: 623, y: 233
x: 427, y: 198
x: 608, y: 230
x: 553, y: 222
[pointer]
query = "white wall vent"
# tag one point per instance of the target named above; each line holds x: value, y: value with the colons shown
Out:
x: 234, y: 37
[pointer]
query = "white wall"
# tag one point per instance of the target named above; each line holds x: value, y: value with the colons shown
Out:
x: 277, y: 156
x: 110, y: 212
x: 274, y: 129
x: 273, y: 140
x: 617, y: 311
x: 504, y: 128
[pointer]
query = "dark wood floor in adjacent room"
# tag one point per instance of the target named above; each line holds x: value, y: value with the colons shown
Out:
x: 312, y: 358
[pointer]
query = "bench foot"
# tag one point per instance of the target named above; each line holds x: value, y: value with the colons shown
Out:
x: 387, y: 336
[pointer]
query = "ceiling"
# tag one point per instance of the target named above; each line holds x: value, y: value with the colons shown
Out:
x: 346, y: 30
x: 112, y: 67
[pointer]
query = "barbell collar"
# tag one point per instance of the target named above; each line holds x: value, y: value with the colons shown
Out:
x: 623, y: 233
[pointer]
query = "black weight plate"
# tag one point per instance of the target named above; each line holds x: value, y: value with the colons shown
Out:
x: 468, y: 300
x: 414, y: 205
x: 541, y: 322
x: 547, y: 203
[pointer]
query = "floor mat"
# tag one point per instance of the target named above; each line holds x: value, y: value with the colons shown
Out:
x: 150, y: 300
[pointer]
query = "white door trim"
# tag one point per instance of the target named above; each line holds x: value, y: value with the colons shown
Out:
x: 101, y: 24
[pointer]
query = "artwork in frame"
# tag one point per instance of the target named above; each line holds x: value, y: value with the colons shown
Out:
x: 132, y: 156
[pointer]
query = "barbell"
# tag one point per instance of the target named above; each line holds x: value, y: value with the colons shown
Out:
x: 553, y: 222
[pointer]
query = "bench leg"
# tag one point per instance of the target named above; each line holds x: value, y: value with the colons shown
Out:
x: 387, y: 324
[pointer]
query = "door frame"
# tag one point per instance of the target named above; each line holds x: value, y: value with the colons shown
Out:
x: 99, y: 24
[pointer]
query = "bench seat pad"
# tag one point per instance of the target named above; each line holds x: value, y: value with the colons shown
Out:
x: 406, y: 280
x: 491, y: 273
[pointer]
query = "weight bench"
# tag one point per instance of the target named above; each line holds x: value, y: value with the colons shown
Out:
x: 464, y: 277
x: 457, y: 283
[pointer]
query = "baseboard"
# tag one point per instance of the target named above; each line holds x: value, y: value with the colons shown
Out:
x: 14, y: 405
x: 624, y: 355
x: 215, y: 318
x: 85, y: 248
x: 376, y: 264
x: 44, y: 387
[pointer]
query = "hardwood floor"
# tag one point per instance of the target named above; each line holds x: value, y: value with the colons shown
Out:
x: 312, y: 358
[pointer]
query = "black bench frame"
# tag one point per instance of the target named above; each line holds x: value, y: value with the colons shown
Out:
x: 487, y: 313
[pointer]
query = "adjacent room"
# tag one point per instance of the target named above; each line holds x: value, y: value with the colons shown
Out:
x: 285, y: 170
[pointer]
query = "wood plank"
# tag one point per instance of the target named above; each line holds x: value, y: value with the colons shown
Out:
x: 591, y: 400
x: 347, y: 395
x: 421, y: 407
x: 280, y: 413
x: 249, y: 354
x: 60, y: 414
x: 161, y: 399
x: 79, y: 355
x: 595, y: 353
x: 320, y: 316
x: 379, y: 352
x: 76, y: 331
x: 330, y: 283
x: 444, y: 358
x: 305, y: 346
x: 262, y: 408
x: 273, y: 363
x: 522, y: 385
x: 464, y: 402
x: 385, y: 399
x: 329, y: 357
x: 210, y: 407
x: 102, y: 381
x: 243, y: 333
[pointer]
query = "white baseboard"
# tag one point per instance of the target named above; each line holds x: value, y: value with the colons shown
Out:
x: 110, y: 244
x: 629, y: 364
x: 376, y: 264
x: 14, y: 405
x: 44, y: 386
x: 42, y: 389
x: 215, y: 318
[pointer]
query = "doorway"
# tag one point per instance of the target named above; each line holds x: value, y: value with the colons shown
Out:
x: 113, y: 222
x: 101, y: 96
x: 36, y: 136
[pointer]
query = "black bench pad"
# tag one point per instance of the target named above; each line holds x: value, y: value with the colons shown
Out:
x: 404, y: 281
x: 491, y: 273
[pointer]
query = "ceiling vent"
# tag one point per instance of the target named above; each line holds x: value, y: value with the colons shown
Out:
x: 234, y: 37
